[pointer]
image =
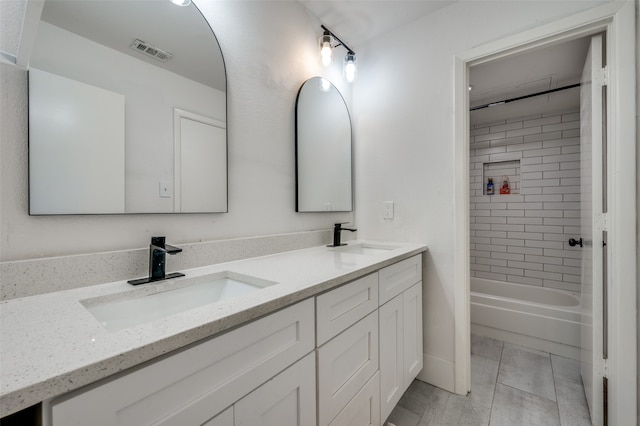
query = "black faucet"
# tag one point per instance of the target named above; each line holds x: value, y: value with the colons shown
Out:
x: 158, y: 250
x: 336, y: 234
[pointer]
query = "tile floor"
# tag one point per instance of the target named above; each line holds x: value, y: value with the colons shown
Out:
x: 510, y: 385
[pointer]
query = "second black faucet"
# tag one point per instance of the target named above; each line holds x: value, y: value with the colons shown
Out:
x: 337, y: 228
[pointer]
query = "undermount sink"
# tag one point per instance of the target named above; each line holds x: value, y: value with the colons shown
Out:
x: 163, y: 298
x: 364, y: 248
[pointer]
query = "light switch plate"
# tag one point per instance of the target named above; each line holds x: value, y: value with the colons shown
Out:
x: 387, y: 210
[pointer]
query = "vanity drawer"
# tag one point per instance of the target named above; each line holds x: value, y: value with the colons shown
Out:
x: 364, y: 408
x: 345, y: 365
x: 342, y: 307
x: 194, y: 385
x: 398, y: 277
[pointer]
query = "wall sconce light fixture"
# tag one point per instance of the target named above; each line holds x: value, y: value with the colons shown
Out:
x: 326, y: 42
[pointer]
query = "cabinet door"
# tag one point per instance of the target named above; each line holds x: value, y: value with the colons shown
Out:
x: 398, y: 277
x: 412, y: 320
x: 345, y: 364
x: 392, y: 337
x: 287, y: 399
x: 364, y: 408
x: 344, y: 306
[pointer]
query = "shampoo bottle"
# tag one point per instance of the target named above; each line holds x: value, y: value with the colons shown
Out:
x: 490, y: 188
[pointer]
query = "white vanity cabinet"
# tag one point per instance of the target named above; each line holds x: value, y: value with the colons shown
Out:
x: 197, y: 385
x: 400, y: 313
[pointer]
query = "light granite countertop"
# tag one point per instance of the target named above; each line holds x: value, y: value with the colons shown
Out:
x: 50, y: 344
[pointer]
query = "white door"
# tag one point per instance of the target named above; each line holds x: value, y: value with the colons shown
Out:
x: 592, y: 209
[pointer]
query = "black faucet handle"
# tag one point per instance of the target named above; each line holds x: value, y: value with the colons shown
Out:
x: 158, y: 241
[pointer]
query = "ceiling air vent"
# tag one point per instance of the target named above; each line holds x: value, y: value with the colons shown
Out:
x: 150, y: 50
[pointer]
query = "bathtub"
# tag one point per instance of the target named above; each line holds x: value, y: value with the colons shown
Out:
x: 537, y: 317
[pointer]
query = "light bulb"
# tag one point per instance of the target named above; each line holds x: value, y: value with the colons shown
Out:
x: 350, y: 69
x: 181, y: 2
x: 324, y: 85
x: 326, y: 50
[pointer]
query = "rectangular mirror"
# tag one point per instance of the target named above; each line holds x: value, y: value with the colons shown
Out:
x: 127, y: 110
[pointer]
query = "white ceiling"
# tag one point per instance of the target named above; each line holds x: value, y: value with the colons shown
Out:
x: 357, y: 21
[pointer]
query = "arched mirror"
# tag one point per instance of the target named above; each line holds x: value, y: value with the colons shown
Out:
x: 323, y: 149
x: 127, y: 110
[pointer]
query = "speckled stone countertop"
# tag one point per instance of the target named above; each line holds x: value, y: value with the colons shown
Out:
x: 50, y: 344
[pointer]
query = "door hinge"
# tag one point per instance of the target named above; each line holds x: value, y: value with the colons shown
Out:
x: 605, y: 368
x: 601, y: 76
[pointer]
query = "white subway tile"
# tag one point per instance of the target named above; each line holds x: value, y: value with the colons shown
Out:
x: 541, y: 198
x: 524, y: 280
x: 570, y: 165
x: 508, y: 256
x: 491, y: 247
x: 543, y: 259
x: 570, y: 181
x: 508, y: 126
x: 531, y: 175
x: 562, y: 158
x: 563, y: 205
x: 526, y: 250
x: 479, y: 267
x: 543, y: 136
x: 491, y: 220
x: 494, y: 262
x: 507, y: 141
x: 556, y: 245
x: 571, y: 197
x: 493, y: 150
x: 572, y: 278
x: 479, y: 131
x: 525, y: 235
x: 573, y: 116
x: 524, y: 206
x: 524, y: 221
x: 561, y: 173
x: 543, y: 275
x: 513, y: 228
x: 480, y: 240
x: 541, y: 168
x: 561, y: 190
x: 562, y: 237
x: 506, y: 156
x: 573, y: 262
x: 524, y: 118
x: 576, y: 230
x: 571, y: 133
x: 562, y: 221
x: 563, y: 269
x: 489, y: 136
x: 510, y: 271
x: 530, y: 160
x: 477, y: 254
x: 524, y: 132
x: 542, y: 121
x: 483, y: 226
x: 571, y: 149
x: 510, y: 213
x: 544, y: 229
x: 563, y: 253
x: 479, y: 145
x: 491, y: 276
x: 561, y: 142
x: 540, y: 182
x: 507, y: 242
x: 489, y: 206
x: 561, y: 126
x: 477, y: 212
x: 526, y: 265
x: 525, y: 146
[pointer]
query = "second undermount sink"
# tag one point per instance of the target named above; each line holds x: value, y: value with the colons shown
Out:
x: 161, y: 299
x: 364, y: 248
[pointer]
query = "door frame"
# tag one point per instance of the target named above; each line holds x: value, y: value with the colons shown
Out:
x: 617, y: 19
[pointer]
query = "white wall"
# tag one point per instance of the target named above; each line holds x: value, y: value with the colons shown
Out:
x: 405, y: 143
x: 270, y: 49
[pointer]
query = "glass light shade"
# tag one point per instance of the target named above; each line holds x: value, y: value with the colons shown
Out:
x: 181, y: 2
x: 326, y: 49
x: 350, y: 68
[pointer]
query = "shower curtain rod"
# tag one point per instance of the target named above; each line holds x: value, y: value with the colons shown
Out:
x: 492, y: 104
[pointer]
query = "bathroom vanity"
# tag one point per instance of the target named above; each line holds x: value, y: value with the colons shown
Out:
x: 329, y: 336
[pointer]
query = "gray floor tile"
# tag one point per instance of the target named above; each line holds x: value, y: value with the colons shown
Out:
x: 459, y: 411
x: 566, y: 368
x: 402, y: 417
x: 572, y: 404
x: 486, y: 347
x: 527, y: 370
x: 484, y: 373
x: 421, y: 397
x: 515, y: 407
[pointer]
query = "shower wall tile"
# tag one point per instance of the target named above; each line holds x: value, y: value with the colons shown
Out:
x: 522, y: 238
